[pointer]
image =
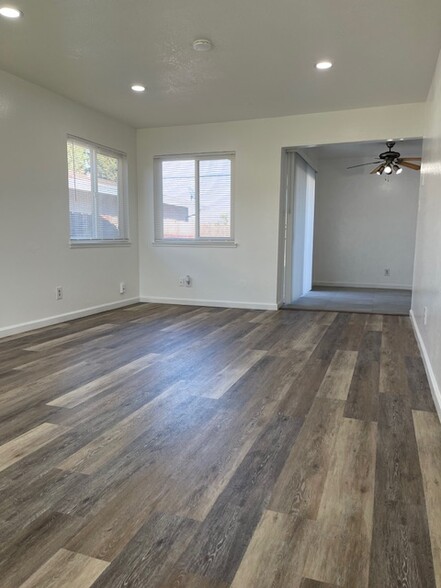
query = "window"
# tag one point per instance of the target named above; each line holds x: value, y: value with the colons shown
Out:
x: 193, y: 199
x: 97, y: 201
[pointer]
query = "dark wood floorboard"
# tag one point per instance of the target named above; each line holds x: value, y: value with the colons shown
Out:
x: 161, y: 446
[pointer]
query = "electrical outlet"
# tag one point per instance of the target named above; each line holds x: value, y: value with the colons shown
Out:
x: 185, y: 281
x: 122, y: 287
x: 387, y: 272
x: 425, y: 312
x: 58, y: 293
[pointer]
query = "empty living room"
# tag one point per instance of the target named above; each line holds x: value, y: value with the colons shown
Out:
x: 220, y: 312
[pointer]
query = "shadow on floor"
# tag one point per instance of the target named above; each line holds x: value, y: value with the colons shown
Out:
x: 367, y: 300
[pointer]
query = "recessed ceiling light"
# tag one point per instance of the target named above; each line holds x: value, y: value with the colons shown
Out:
x: 323, y: 65
x: 138, y: 88
x: 10, y: 12
x: 202, y: 45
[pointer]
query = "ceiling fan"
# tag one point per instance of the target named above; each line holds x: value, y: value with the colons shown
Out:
x: 391, y: 161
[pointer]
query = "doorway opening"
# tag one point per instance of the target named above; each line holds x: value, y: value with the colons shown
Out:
x: 347, y: 234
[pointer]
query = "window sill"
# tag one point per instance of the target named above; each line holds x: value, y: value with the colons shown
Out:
x: 85, y: 244
x: 183, y: 243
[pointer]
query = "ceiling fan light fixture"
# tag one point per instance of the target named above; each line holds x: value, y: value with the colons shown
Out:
x: 390, y: 162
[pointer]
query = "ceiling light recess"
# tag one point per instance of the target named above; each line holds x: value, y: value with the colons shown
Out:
x: 202, y: 45
x: 138, y: 88
x: 10, y: 12
x: 324, y: 65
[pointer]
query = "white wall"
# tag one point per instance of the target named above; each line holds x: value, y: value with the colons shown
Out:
x: 34, y: 219
x: 246, y: 275
x: 427, y: 275
x: 364, y: 224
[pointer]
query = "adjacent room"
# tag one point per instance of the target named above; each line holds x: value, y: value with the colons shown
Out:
x: 220, y: 313
x: 352, y: 241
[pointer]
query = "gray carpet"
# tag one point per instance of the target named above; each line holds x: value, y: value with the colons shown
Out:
x: 369, y: 300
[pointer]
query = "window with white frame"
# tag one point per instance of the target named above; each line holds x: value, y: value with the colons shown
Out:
x: 193, y: 199
x: 97, y: 195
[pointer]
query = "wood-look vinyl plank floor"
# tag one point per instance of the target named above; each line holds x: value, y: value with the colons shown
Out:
x: 66, y: 568
x: 161, y: 446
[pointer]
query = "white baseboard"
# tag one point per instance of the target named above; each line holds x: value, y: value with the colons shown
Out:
x: 434, y: 387
x: 62, y: 318
x: 354, y: 285
x: 217, y: 303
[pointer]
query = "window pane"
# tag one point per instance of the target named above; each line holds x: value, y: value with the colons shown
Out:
x: 80, y: 191
x: 107, y: 217
x: 178, y: 199
x: 96, y: 195
x: 107, y: 173
x: 107, y: 198
x: 215, y: 198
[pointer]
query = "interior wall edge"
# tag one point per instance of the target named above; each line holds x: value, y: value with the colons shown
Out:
x: 434, y: 386
x: 62, y: 318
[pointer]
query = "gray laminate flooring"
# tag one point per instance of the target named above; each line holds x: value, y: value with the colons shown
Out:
x: 163, y: 446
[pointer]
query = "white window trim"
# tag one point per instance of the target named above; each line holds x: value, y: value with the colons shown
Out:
x: 82, y: 243
x: 157, y: 189
x: 123, y: 213
x: 195, y: 243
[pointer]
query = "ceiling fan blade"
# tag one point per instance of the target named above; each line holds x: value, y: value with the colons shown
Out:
x: 361, y: 164
x: 409, y: 158
x: 374, y: 171
x: 410, y: 165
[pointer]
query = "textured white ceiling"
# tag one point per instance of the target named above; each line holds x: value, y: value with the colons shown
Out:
x: 262, y: 64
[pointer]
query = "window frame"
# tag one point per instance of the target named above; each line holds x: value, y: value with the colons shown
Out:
x: 123, y: 199
x: 158, y: 221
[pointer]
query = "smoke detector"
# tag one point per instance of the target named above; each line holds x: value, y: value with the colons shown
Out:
x: 202, y: 45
